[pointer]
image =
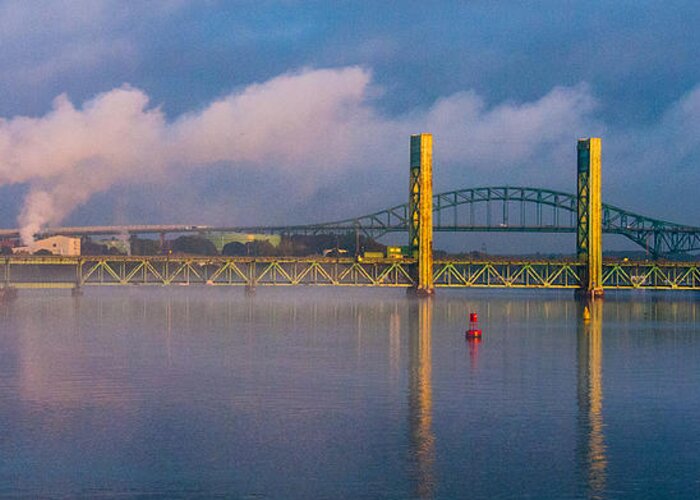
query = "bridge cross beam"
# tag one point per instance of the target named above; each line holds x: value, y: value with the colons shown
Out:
x: 589, y: 227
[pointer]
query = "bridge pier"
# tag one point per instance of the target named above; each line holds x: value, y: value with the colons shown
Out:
x: 77, y: 290
x: 7, y: 291
x: 589, y: 220
x: 251, y: 287
x: 420, y: 213
x: 8, y: 294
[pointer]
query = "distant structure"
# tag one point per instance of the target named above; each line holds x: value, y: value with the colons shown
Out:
x: 220, y: 240
x: 56, y: 245
x: 120, y: 245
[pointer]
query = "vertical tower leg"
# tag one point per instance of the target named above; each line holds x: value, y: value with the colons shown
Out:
x: 420, y: 212
x: 251, y: 286
x: 77, y: 290
x: 589, y: 221
x: 7, y: 291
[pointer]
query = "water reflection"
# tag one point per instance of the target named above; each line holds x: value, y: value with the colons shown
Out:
x: 160, y: 390
x: 395, y: 342
x: 57, y: 367
x: 169, y: 329
x: 473, y: 343
x: 592, y: 449
x: 421, y: 395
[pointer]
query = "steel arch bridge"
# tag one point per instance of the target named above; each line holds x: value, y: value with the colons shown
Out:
x: 511, y: 209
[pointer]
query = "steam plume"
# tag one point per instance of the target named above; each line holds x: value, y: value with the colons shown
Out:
x: 318, y: 123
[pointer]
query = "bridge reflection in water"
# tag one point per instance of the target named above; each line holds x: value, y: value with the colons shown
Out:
x: 421, y: 396
x: 591, y: 446
x: 593, y: 462
x: 184, y: 345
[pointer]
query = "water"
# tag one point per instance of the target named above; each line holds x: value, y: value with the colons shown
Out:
x: 327, y: 393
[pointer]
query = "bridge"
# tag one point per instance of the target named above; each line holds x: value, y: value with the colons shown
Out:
x: 485, y: 209
x: 491, y: 209
x: 41, y: 272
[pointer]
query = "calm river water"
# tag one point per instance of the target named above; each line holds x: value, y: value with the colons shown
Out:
x: 326, y: 393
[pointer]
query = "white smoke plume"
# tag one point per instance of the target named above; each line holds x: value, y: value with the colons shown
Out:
x: 316, y: 124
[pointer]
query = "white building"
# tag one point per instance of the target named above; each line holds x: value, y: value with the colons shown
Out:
x: 57, y: 245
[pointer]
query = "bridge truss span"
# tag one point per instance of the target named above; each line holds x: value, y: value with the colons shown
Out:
x: 75, y: 272
x: 521, y: 209
x: 507, y: 274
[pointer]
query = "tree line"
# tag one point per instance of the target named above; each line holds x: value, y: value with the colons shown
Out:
x: 289, y: 245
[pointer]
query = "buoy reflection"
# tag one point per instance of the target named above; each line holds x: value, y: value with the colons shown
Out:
x: 474, y: 351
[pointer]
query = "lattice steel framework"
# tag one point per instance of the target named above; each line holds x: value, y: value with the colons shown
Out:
x: 69, y: 272
x: 511, y: 209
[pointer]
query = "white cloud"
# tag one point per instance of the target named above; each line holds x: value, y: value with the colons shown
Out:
x: 317, y: 126
x: 511, y: 134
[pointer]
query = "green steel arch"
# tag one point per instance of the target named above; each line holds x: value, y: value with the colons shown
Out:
x: 514, y: 209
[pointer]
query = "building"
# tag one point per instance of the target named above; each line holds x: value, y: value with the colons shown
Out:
x: 57, y: 245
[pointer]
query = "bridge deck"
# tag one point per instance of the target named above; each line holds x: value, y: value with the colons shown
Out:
x: 67, y: 272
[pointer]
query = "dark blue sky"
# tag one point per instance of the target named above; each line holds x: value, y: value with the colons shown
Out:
x: 486, y: 75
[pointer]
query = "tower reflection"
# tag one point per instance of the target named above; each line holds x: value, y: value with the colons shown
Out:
x: 421, y: 396
x: 592, y: 449
x: 395, y: 343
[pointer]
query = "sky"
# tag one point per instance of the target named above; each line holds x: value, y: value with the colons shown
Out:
x: 275, y: 112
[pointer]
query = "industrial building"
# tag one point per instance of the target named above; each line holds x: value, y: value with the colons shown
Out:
x: 57, y: 245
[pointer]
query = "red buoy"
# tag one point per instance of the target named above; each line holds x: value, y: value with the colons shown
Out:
x: 474, y: 332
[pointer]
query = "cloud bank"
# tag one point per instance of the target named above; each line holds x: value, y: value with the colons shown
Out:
x: 315, y: 125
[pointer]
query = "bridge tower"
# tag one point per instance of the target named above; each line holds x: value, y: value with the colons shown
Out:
x: 589, y: 220
x: 420, y: 212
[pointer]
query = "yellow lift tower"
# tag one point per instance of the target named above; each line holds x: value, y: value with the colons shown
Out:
x: 589, y: 222
x: 420, y: 212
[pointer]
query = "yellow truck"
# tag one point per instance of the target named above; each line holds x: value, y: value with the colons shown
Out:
x: 391, y: 253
